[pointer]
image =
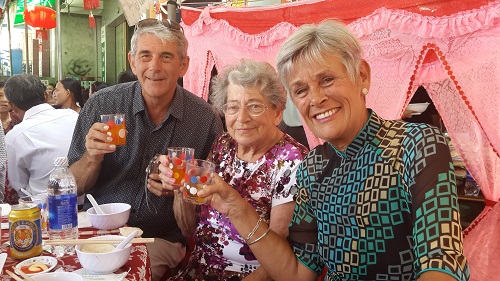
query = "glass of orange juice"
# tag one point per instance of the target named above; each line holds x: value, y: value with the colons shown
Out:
x: 198, y: 174
x: 116, y: 124
x: 178, y: 157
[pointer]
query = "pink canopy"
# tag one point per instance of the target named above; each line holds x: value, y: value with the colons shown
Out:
x: 449, y: 47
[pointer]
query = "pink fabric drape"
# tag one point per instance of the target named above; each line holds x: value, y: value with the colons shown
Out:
x: 455, y: 57
x: 462, y: 81
x: 482, y: 246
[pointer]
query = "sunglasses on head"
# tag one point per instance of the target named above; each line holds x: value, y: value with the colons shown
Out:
x: 167, y: 23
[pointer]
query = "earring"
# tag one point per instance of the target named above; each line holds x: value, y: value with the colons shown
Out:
x: 364, y: 91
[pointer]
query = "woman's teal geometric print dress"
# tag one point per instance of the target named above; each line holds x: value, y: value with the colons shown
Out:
x: 384, y: 209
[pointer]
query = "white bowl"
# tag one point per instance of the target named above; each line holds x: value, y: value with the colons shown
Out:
x: 57, y: 276
x: 418, y: 108
x: 104, y: 263
x: 50, y: 262
x: 116, y: 216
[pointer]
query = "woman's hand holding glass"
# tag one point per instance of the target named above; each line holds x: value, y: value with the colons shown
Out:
x: 218, y: 194
x: 161, y: 181
x: 223, y: 197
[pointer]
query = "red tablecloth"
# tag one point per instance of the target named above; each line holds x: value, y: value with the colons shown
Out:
x: 138, y: 263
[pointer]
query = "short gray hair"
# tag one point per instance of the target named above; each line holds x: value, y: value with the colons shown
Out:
x: 249, y: 73
x: 24, y: 91
x: 165, y: 34
x: 311, y: 43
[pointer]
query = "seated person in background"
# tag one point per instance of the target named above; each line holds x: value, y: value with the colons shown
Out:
x: 376, y: 201
x: 8, y: 117
x: 68, y: 94
x: 96, y: 86
x: 44, y: 134
x: 158, y: 114
x: 255, y: 158
x: 3, y: 166
x: 49, y: 92
x: 92, y: 90
x: 126, y: 76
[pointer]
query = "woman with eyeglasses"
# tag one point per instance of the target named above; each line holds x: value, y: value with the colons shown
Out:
x: 255, y: 158
x: 68, y: 94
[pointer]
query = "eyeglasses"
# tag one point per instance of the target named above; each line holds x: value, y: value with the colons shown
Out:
x: 167, y: 23
x: 254, y: 109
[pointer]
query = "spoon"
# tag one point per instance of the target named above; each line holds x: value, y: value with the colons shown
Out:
x: 96, y: 206
x: 125, y: 241
x: 26, y: 192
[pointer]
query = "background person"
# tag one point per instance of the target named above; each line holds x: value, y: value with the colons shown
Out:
x: 96, y: 86
x: 68, y: 94
x: 44, y: 134
x: 158, y: 114
x: 255, y: 158
x: 49, y: 92
x: 377, y: 201
x: 126, y: 76
x: 8, y: 117
x: 3, y: 166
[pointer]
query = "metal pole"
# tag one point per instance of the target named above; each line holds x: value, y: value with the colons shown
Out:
x: 171, y: 10
x: 26, y: 40
x: 58, y: 40
x: 10, y: 40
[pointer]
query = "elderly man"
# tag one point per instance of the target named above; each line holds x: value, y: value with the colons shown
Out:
x: 44, y: 134
x: 159, y: 113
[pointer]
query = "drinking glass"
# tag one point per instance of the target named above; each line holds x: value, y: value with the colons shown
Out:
x: 116, y: 124
x: 198, y: 174
x: 40, y: 200
x: 178, y: 157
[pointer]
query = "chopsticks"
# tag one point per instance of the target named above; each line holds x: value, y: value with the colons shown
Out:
x: 17, y: 278
x: 13, y: 275
x: 96, y: 241
x: 24, y: 275
x: 90, y: 232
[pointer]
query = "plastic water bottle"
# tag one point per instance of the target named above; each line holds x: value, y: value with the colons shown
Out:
x: 63, y: 206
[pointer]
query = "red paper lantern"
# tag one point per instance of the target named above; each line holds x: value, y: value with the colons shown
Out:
x: 41, y: 17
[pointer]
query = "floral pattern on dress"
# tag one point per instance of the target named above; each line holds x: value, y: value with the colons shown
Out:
x: 264, y: 184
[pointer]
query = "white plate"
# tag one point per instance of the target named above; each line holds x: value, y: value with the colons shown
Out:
x: 58, y: 276
x: 51, y: 262
x: 5, y: 210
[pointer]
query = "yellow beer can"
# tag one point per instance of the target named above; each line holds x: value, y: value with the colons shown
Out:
x: 25, y: 231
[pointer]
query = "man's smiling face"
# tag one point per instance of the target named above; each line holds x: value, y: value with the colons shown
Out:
x: 157, y: 65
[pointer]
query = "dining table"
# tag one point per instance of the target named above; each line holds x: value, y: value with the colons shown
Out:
x: 138, y: 266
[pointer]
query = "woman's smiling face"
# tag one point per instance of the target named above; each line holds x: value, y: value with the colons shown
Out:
x: 331, y: 104
x: 247, y: 130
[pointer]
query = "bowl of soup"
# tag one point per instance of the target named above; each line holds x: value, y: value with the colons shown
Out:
x: 100, y: 258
